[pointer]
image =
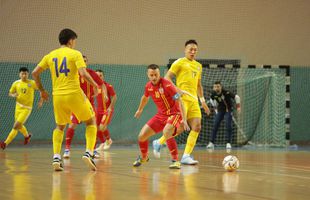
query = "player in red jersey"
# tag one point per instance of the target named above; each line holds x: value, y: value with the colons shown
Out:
x: 169, y: 118
x: 105, y: 109
x: 89, y: 92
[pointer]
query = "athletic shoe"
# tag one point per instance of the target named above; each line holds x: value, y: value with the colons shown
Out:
x: 175, y: 165
x: 100, y: 148
x: 228, y: 146
x: 57, y: 165
x: 66, y: 153
x: 88, y: 159
x: 156, y: 148
x: 210, y: 145
x: 96, y: 154
x: 2, y: 145
x: 188, y: 160
x: 27, y: 139
x: 140, y: 160
x: 107, y: 144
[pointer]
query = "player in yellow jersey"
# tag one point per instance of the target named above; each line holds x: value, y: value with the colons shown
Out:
x: 65, y: 65
x: 187, y: 72
x: 23, y: 91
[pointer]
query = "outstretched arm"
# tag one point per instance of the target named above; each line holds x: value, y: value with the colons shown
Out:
x: 36, y: 77
x: 86, y: 76
x: 144, y: 100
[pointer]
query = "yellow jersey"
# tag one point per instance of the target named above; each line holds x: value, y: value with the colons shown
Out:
x: 64, y: 63
x: 25, y: 92
x: 187, y: 73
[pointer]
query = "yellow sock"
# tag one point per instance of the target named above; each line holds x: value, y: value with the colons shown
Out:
x: 191, y: 141
x: 162, y: 140
x: 90, y: 134
x: 24, y: 131
x: 58, y: 136
x: 11, y: 136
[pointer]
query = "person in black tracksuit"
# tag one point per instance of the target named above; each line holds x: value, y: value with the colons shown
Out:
x: 223, y: 101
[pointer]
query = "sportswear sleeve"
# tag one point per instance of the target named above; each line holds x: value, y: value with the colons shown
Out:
x: 111, y: 90
x: 13, y: 88
x: 44, y: 62
x: 146, y: 93
x: 172, y: 91
x: 79, y: 62
x: 175, y: 67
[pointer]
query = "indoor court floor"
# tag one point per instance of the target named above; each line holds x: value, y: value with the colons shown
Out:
x: 26, y: 173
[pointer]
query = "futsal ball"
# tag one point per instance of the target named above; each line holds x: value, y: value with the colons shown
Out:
x: 230, y: 163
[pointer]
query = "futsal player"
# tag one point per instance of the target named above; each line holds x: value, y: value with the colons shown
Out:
x: 187, y: 72
x: 223, y: 100
x: 23, y: 92
x: 169, y: 117
x: 89, y: 92
x: 65, y: 65
x: 105, y: 109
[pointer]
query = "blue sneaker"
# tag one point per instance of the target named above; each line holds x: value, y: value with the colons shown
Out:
x: 156, y: 148
x: 188, y: 160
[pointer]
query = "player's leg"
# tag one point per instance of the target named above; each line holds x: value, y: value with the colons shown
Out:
x: 70, y: 135
x: 228, y: 123
x: 100, y: 135
x: 84, y: 111
x: 194, y: 121
x: 217, y: 121
x: 106, y: 131
x: 62, y: 114
x: 143, y: 142
x: 168, y: 132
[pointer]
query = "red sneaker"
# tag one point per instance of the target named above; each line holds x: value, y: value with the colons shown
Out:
x: 27, y: 139
x: 2, y: 145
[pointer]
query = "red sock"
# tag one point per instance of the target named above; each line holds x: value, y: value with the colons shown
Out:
x: 100, y: 135
x: 173, y: 148
x: 106, y: 133
x: 69, y: 137
x: 144, y: 147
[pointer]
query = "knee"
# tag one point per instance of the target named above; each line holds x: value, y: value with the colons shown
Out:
x: 17, y: 125
x: 197, y: 127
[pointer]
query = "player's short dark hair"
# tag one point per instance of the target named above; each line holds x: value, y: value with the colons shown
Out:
x: 217, y: 83
x: 153, y: 66
x: 99, y: 70
x: 23, y: 69
x: 191, y: 42
x: 65, y: 35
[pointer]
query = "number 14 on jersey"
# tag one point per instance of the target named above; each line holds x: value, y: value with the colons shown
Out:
x: 63, y: 66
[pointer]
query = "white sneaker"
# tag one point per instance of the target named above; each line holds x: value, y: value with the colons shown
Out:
x: 100, y: 148
x: 210, y: 145
x: 228, y: 146
x: 107, y: 144
x: 67, y: 153
x: 187, y: 160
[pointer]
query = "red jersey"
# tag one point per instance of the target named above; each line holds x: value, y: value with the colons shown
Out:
x: 102, y: 103
x: 163, y: 95
x: 87, y: 88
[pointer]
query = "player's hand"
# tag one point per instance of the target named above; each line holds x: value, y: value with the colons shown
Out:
x: 14, y: 95
x: 206, y: 108
x: 186, y: 126
x: 44, y: 95
x: 96, y: 91
x: 40, y: 104
x: 238, y: 110
x: 138, y: 114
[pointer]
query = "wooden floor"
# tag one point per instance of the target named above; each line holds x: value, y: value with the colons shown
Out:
x: 26, y: 173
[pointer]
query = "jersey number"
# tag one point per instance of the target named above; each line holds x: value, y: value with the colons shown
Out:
x: 63, y: 67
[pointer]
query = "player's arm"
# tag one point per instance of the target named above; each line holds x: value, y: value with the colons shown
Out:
x: 201, y: 98
x: 86, y: 76
x: 113, y: 101
x: 36, y: 77
x: 170, y: 76
x: 12, y: 92
x: 144, y: 100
